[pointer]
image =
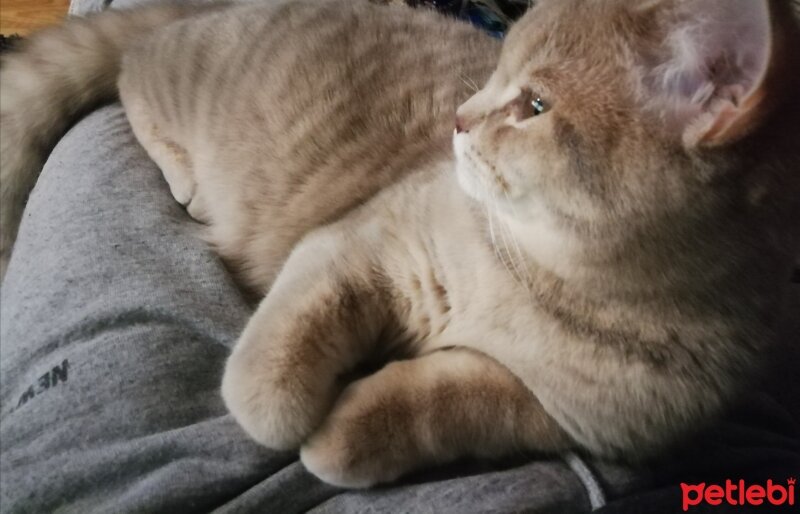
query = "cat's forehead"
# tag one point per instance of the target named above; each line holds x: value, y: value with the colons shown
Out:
x: 591, y: 32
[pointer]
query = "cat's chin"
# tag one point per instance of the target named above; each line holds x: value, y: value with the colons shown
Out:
x: 467, y: 179
x: 473, y: 182
x: 469, y: 184
x: 502, y: 205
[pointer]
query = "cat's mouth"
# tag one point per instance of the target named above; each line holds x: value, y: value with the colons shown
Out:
x: 476, y: 176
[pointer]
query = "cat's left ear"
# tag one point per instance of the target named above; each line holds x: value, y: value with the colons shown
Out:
x: 715, y: 74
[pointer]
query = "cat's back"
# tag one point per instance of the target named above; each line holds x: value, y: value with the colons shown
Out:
x: 335, y: 66
x: 300, y: 111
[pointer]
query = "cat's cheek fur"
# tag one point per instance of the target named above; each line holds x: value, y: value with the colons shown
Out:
x: 465, y: 171
x: 482, y: 173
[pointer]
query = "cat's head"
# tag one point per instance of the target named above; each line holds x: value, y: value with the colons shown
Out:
x: 629, y: 113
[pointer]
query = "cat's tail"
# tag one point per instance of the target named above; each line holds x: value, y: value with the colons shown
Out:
x: 55, y: 76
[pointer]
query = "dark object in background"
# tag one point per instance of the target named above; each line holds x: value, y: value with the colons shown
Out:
x: 8, y: 42
x: 494, y: 16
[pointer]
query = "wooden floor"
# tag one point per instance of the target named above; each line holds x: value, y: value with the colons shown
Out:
x: 24, y: 16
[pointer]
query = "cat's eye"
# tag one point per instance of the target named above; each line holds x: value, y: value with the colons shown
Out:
x: 528, y: 105
x: 538, y: 106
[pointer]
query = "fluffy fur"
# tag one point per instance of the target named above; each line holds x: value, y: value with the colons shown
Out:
x: 592, y: 261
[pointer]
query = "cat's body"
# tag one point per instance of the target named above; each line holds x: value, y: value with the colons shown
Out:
x: 240, y: 116
x: 598, y: 295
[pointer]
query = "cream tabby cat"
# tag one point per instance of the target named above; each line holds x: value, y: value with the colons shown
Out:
x: 595, y: 266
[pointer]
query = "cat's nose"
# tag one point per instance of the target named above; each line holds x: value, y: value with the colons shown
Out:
x: 461, y: 125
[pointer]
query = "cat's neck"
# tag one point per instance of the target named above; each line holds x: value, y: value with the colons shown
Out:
x: 598, y: 267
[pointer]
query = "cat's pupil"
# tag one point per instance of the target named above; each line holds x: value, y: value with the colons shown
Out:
x: 528, y: 105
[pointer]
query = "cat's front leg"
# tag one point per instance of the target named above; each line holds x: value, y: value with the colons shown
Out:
x: 322, y: 315
x: 428, y: 410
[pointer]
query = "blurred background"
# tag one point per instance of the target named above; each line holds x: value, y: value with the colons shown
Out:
x: 23, y: 16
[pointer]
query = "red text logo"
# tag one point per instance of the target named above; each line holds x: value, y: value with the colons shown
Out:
x: 738, y: 493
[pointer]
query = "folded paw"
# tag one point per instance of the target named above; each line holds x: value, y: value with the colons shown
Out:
x: 366, y: 440
x: 279, y: 408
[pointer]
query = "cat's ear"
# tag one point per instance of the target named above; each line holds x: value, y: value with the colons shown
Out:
x: 714, y: 74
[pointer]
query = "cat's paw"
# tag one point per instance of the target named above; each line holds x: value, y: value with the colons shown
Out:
x: 336, y: 463
x: 362, y: 443
x: 276, y: 409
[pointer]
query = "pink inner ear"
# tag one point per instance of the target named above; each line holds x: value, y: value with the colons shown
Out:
x: 732, y: 121
x: 720, y: 53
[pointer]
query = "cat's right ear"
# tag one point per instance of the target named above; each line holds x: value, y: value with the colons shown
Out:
x: 713, y: 74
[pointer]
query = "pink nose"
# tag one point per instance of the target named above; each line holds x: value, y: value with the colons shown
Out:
x: 461, y: 125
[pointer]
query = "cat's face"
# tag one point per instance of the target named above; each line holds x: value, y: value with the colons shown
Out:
x: 546, y: 131
x: 599, y: 109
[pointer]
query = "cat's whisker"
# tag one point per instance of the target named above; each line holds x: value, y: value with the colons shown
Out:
x: 518, y: 261
x: 502, y: 253
x: 512, y: 261
x: 469, y: 83
x: 492, y: 235
x: 491, y: 230
x: 515, y: 240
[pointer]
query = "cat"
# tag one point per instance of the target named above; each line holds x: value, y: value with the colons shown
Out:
x: 591, y: 261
